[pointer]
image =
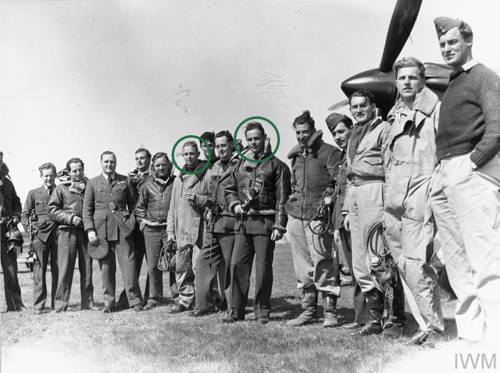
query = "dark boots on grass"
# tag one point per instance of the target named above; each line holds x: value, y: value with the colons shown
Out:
x: 310, y: 307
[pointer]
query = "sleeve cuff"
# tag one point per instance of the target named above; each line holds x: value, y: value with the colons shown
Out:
x: 280, y: 228
x: 478, y: 158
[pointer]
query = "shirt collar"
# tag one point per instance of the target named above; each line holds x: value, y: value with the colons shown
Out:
x: 107, y: 177
x: 470, y: 64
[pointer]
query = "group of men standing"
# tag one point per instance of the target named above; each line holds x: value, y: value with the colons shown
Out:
x: 431, y: 168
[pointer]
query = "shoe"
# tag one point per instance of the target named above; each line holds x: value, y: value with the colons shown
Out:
x: 353, y: 325
x: 199, y: 312
x: 368, y: 329
x: 91, y: 307
x: 178, y: 308
x: 230, y: 320
x: 427, y: 337
x: 40, y: 311
x: 138, y: 308
x: 108, y: 309
x: 332, y: 320
x: 263, y: 320
x: 62, y: 308
x: 309, y: 305
x: 150, y: 305
x: 394, y: 331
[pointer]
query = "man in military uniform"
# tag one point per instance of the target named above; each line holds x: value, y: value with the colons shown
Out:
x: 315, y: 258
x: 107, y: 214
x: 10, y: 216
x: 138, y: 177
x: 464, y: 190
x: 257, y: 193
x: 36, y: 219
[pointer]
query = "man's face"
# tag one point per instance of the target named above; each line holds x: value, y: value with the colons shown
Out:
x: 162, y: 167
x: 409, y: 82
x: 142, y: 161
x: 190, y: 154
x: 256, y: 141
x: 223, y: 147
x: 455, y: 50
x: 303, y: 132
x: 48, y: 177
x: 341, y: 135
x: 361, y: 109
x: 205, y: 149
x: 76, y: 171
x: 108, y: 164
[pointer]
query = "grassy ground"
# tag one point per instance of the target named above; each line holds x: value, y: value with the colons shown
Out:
x: 155, y: 341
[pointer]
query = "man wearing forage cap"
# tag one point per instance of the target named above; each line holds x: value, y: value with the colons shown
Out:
x: 464, y: 192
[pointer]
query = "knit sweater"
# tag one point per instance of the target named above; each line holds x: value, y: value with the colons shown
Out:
x: 470, y: 116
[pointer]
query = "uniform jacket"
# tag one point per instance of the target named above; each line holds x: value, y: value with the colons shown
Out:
x: 137, y: 179
x: 10, y: 204
x: 219, y: 176
x: 411, y: 147
x: 97, y: 212
x: 154, y: 199
x: 185, y: 221
x: 340, y: 188
x: 314, y: 171
x: 272, y: 179
x: 65, y: 203
x: 36, y: 206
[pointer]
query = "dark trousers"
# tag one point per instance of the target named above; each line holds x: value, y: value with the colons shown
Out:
x: 10, y: 281
x: 208, y: 264
x: 139, y: 246
x: 122, y: 249
x: 72, y: 242
x: 359, y: 300
x: 245, y: 248
x: 156, y: 238
x: 44, y: 251
x: 226, y: 243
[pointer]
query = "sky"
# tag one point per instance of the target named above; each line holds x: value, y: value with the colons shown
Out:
x: 81, y: 77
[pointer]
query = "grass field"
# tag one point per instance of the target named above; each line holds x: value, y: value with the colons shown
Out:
x: 155, y: 341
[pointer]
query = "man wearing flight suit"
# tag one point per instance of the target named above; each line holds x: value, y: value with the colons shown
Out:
x: 36, y: 219
x: 10, y: 214
x: 410, y: 162
x: 65, y: 209
x: 315, y: 257
x: 341, y: 127
x: 364, y: 202
x: 107, y: 213
x: 257, y: 193
x: 464, y: 192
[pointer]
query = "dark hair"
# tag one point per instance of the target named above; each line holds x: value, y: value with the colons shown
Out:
x: 108, y: 152
x: 304, y: 118
x: 144, y: 150
x: 226, y: 134
x: 190, y: 143
x: 347, y: 122
x: 158, y: 156
x: 255, y: 126
x: 363, y: 93
x: 47, y: 166
x: 74, y: 160
x: 208, y: 136
x: 408, y: 62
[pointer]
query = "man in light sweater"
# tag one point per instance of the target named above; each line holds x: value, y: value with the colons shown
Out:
x: 464, y: 192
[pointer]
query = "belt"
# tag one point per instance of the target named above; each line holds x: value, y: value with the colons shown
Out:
x: 358, y: 180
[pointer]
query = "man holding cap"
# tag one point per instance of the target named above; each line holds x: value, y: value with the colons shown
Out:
x: 464, y: 192
x: 107, y: 215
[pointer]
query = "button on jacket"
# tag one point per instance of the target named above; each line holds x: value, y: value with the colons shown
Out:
x: 97, y: 213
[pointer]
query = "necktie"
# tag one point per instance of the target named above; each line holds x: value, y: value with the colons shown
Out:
x: 110, y: 180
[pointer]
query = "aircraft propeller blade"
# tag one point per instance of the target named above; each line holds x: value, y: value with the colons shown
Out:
x: 339, y: 104
x: 402, y: 21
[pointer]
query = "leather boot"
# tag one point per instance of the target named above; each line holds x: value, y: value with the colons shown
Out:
x: 375, y: 305
x: 309, y: 304
x: 330, y: 311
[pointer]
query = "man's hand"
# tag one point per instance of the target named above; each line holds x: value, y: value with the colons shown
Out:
x: 93, y: 238
x: 170, y: 238
x: 76, y: 221
x: 347, y: 223
x: 276, y: 235
x: 328, y: 200
x: 238, y: 210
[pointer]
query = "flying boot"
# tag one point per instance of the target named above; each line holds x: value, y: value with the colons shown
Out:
x: 375, y: 305
x: 309, y: 304
x: 330, y: 311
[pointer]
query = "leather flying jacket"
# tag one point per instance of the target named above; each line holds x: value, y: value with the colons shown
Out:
x: 65, y: 203
x: 268, y: 185
x: 154, y: 199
